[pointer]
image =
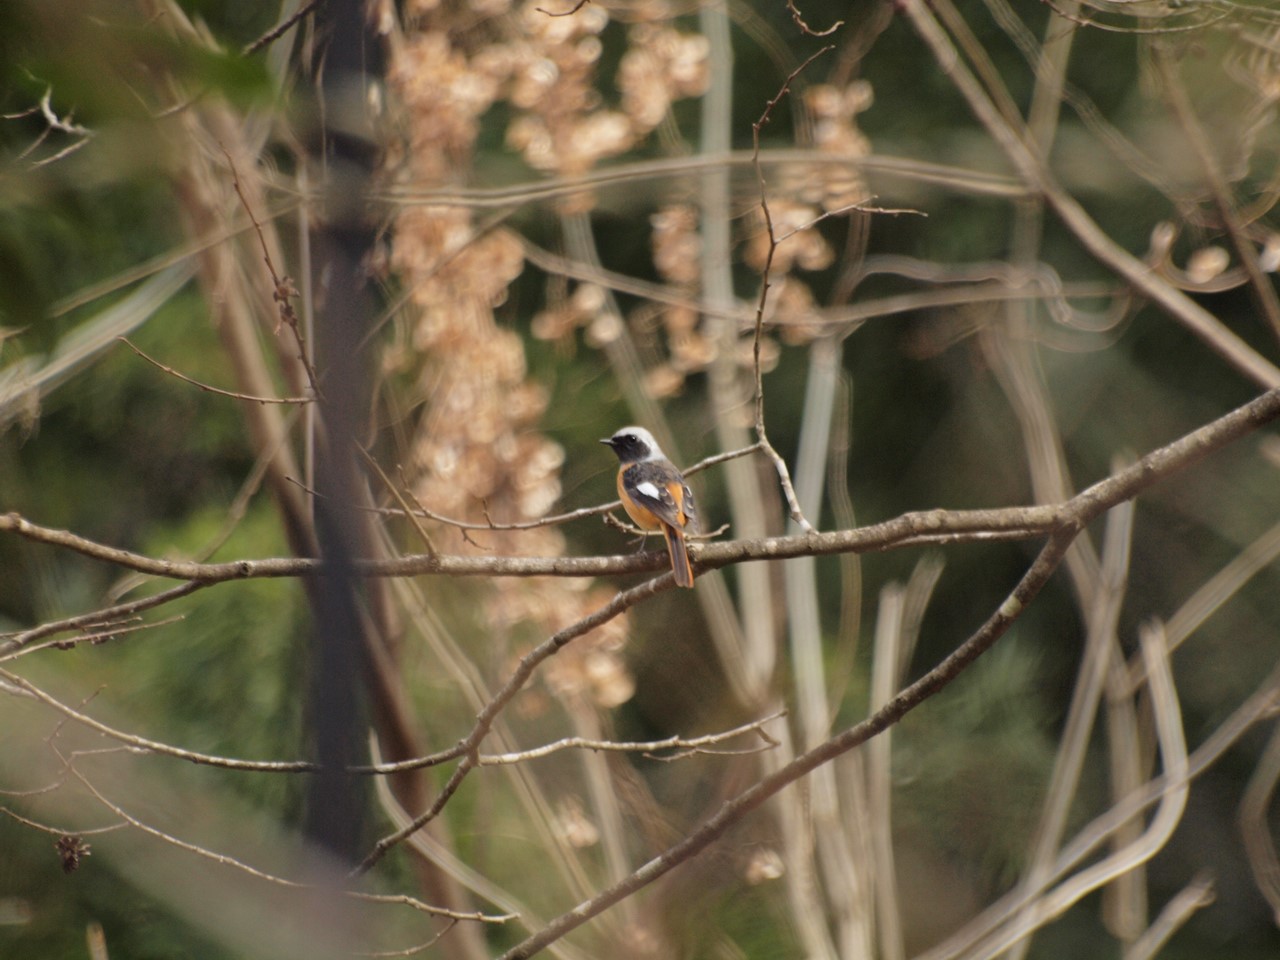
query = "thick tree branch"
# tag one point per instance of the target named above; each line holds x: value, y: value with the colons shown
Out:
x: 933, y: 526
x: 736, y: 809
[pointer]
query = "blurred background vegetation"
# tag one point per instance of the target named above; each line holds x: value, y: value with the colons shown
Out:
x: 995, y: 362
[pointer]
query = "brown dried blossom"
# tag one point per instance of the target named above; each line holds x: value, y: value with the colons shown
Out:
x: 573, y: 825
x: 677, y: 245
x: 795, y: 240
x: 475, y: 453
x: 560, y: 320
x: 661, y: 65
x: 444, y: 96
x: 834, y: 110
x: 795, y: 313
x: 71, y: 850
x: 677, y: 257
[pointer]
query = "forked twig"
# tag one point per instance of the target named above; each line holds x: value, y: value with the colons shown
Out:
x: 805, y: 28
x: 278, y: 31
x: 784, y: 474
x: 283, y: 290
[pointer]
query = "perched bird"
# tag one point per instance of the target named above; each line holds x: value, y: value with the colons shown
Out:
x: 654, y: 494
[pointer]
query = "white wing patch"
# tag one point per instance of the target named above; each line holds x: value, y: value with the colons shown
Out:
x: 649, y: 490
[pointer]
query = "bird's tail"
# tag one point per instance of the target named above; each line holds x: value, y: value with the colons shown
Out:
x: 679, y: 556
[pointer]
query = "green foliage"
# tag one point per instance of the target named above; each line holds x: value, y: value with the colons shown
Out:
x: 970, y: 773
x: 57, y: 908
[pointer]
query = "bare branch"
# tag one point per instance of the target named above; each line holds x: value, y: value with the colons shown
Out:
x: 377, y: 898
x: 1263, y: 289
x: 935, y: 526
x: 278, y: 31
x: 283, y: 290
x: 784, y: 475
x: 1259, y: 843
x: 152, y: 746
x: 53, y: 123
x: 95, y: 637
x: 564, y: 13
x: 804, y: 27
x: 950, y: 177
x: 16, y: 641
x: 58, y: 831
x: 686, y: 746
x: 1196, y: 895
x: 206, y: 387
x: 736, y: 809
x: 421, y: 947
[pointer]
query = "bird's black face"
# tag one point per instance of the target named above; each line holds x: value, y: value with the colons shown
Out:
x: 627, y: 446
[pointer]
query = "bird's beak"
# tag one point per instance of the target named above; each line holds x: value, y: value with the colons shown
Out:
x: 607, y: 441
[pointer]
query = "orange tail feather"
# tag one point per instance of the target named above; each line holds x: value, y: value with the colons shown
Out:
x: 679, y: 556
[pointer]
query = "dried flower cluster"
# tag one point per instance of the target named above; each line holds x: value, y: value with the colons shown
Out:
x: 834, y: 109
x: 475, y: 452
x: 71, y: 850
x: 801, y: 196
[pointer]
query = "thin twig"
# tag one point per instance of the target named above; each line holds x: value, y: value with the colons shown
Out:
x: 206, y: 387
x: 943, y: 176
x: 221, y: 858
x: 59, y: 831
x: 491, y: 526
x: 283, y: 290
x: 400, y: 499
x: 52, y: 122
x: 689, y: 745
x: 99, y: 636
x: 686, y: 746
x: 278, y: 31
x: 1255, y: 805
x: 1044, y: 284
x: 1198, y: 25
x: 784, y: 475
x: 419, y: 948
x: 564, y: 13
x: 153, y: 746
x: 1196, y: 895
x: 805, y: 28
x: 861, y: 206
x: 16, y: 641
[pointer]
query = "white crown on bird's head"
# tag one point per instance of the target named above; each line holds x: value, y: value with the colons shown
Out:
x: 634, y: 444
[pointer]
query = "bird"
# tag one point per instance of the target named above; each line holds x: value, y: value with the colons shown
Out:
x: 655, y: 495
